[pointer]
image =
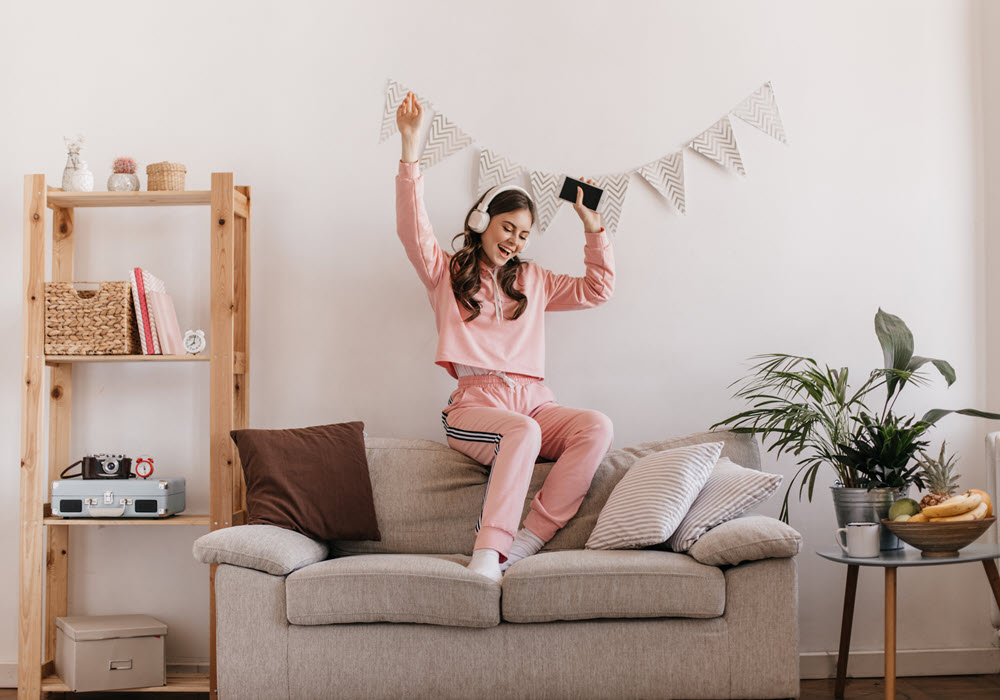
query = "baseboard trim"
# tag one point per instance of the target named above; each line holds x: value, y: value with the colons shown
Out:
x: 812, y: 665
x: 8, y: 671
x: 909, y: 662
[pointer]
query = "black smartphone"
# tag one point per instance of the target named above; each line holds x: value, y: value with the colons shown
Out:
x: 591, y: 194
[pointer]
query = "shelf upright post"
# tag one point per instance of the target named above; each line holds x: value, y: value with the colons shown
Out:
x: 241, y: 343
x: 223, y: 375
x: 60, y: 417
x: 32, y: 542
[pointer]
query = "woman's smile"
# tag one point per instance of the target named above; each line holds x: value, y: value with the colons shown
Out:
x: 506, y: 236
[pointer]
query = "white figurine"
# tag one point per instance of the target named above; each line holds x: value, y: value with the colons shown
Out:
x: 77, y: 176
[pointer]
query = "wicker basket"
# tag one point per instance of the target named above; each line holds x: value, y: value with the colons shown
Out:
x: 90, y: 322
x: 165, y: 176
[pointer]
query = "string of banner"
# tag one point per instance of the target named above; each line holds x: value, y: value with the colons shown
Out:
x: 665, y: 174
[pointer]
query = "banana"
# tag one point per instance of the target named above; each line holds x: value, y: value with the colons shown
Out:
x: 956, y: 505
x: 977, y: 513
x: 986, y: 499
x: 919, y: 518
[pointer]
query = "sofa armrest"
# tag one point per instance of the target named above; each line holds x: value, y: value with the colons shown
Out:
x: 266, y: 548
x: 746, y: 538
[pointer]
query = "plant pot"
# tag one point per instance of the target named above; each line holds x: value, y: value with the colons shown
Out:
x: 123, y: 182
x: 863, y: 506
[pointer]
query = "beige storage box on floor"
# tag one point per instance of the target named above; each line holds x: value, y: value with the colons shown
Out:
x: 110, y: 652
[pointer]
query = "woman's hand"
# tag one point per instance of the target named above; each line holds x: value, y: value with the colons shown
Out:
x: 591, y: 219
x: 408, y: 118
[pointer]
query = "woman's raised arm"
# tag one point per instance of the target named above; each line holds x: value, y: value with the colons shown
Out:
x: 413, y: 226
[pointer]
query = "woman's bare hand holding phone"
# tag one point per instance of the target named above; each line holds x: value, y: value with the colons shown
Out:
x: 408, y: 118
x: 591, y: 219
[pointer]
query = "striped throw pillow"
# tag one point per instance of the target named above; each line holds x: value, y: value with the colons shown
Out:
x: 651, y: 499
x: 730, y: 491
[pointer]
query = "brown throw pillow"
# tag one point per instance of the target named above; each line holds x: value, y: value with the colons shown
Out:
x: 311, y: 480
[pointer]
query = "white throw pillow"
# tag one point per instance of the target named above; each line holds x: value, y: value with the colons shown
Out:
x: 651, y: 499
x: 730, y: 491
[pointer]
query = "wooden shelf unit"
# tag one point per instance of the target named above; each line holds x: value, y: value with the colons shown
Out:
x: 44, y: 539
x: 176, y: 683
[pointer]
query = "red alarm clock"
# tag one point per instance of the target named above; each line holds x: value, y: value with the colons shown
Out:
x: 143, y: 467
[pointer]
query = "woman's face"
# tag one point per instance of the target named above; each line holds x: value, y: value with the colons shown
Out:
x: 506, y: 236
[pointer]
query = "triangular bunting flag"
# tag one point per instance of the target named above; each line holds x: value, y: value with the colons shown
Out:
x: 394, y: 96
x: 718, y: 142
x: 495, y: 169
x: 545, y: 188
x: 761, y: 110
x: 610, y: 207
x: 445, y: 139
x: 667, y: 176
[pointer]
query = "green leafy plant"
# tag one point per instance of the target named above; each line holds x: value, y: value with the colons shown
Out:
x: 879, y: 452
x: 810, y: 411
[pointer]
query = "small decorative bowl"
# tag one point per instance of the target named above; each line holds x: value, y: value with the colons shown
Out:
x: 940, y: 539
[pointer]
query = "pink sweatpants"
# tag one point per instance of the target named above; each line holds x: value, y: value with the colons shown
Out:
x: 507, y: 428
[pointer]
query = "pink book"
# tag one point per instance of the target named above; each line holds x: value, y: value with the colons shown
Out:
x: 167, y: 329
x: 143, y: 284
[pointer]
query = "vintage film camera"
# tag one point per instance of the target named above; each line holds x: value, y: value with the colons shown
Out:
x: 105, y: 466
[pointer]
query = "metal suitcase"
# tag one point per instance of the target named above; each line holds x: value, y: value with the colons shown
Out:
x: 117, y: 498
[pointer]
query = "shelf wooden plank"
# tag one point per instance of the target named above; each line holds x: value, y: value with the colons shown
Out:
x: 166, y: 198
x: 62, y: 359
x: 31, y: 620
x: 176, y: 683
x: 180, y: 519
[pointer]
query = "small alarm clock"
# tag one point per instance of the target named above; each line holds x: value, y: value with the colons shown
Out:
x: 194, y: 342
x: 143, y: 467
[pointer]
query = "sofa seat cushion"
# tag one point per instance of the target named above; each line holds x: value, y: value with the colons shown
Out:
x: 589, y: 584
x: 429, y: 589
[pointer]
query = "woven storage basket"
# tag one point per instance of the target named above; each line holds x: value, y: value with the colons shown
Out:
x: 90, y: 322
x: 165, y: 176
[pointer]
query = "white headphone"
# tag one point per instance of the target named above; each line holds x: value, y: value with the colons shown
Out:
x: 479, y: 220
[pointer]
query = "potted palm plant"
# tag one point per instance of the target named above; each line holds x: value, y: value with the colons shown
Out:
x: 810, y: 411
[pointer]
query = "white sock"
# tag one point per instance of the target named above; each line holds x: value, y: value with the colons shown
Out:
x: 486, y: 562
x: 525, y: 544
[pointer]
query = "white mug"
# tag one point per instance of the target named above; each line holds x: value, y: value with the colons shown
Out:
x: 862, y: 539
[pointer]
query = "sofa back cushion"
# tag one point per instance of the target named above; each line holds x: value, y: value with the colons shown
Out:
x: 428, y: 496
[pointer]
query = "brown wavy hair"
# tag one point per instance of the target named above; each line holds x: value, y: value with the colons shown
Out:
x: 465, y: 261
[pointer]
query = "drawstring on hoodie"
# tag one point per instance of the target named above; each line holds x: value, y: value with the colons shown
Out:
x: 499, y: 315
x: 496, y: 297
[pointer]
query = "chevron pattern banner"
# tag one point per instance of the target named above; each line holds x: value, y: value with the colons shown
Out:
x: 495, y: 169
x: 610, y: 207
x: 761, y: 110
x: 718, y: 142
x: 667, y: 176
x: 545, y: 189
x: 394, y: 95
x: 444, y: 140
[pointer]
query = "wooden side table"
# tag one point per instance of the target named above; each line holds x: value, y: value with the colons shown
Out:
x: 890, y: 560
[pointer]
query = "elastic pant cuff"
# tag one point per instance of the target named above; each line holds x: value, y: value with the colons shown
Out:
x: 494, y: 538
x: 540, y: 525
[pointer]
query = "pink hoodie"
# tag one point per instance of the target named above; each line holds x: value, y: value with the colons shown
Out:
x: 491, y: 340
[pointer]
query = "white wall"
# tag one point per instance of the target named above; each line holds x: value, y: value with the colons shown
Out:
x: 878, y: 201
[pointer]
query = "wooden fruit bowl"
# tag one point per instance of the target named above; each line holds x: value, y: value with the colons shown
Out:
x: 940, y: 539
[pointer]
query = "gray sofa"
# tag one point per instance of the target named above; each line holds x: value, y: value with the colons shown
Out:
x: 404, y: 618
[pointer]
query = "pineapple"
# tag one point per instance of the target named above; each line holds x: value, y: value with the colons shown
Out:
x: 940, y: 477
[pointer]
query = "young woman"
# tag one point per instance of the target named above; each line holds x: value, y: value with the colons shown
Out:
x: 490, y: 306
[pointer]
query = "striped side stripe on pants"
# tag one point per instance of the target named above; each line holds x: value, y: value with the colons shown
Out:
x: 474, y: 436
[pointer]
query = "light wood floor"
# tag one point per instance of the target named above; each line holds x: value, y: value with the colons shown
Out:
x: 919, y: 688
x: 922, y: 688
